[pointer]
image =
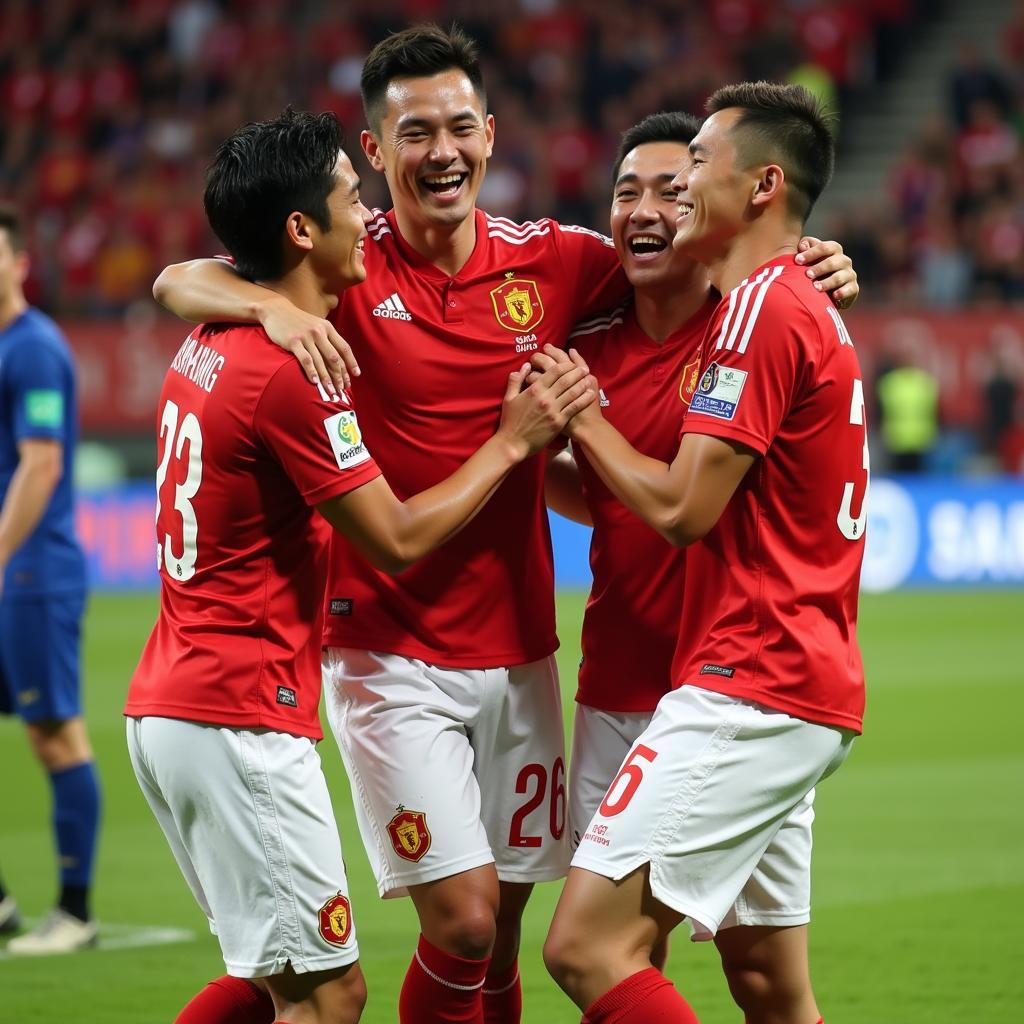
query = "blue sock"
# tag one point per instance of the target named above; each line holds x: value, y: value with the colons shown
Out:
x: 76, y: 818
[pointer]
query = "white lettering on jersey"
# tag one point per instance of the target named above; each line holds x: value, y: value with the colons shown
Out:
x: 198, y: 363
x: 392, y: 308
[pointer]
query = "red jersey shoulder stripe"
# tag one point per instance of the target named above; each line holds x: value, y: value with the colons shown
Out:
x: 577, y: 230
x: 512, y: 227
x: 604, y: 322
x: 745, y: 302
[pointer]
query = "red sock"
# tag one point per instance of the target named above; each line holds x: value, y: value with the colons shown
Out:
x: 228, y: 1000
x: 503, y: 996
x: 647, y: 997
x: 441, y: 988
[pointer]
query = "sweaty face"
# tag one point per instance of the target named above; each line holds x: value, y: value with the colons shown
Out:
x: 432, y: 145
x: 713, y: 191
x: 340, y: 250
x: 644, y: 211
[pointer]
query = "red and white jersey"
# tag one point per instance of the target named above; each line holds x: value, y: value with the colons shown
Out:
x: 631, y: 622
x: 246, y: 447
x: 770, y: 599
x: 436, y: 352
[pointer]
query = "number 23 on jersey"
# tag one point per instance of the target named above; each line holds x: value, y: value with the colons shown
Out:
x: 184, y: 442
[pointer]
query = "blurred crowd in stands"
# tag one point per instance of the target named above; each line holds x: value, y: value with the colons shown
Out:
x: 113, y: 108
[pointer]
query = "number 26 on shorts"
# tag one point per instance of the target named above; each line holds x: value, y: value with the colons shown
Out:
x: 627, y: 782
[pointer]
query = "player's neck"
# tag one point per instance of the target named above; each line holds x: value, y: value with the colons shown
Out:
x: 12, y: 305
x: 304, y: 291
x: 748, y: 251
x: 448, y: 247
x: 662, y: 310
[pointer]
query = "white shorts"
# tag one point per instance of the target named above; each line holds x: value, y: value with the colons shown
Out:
x: 451, y: 768
x: 249, y: 821
x: 600, y: 742
x: 717, y: 796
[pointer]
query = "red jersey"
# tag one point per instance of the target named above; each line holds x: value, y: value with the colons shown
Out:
x: 631, y: 622
x: 770, y: 598
x: 436, y: 352
x: 246, y: 446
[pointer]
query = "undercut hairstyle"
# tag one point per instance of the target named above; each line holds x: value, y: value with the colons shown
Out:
x: 667, y: 126
x: 10, y: 222
x: 417, y: 52
x: 784, y: 125
x: 262, y: 173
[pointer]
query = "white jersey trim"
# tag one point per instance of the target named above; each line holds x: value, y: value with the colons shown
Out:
x: 737, y: 317
x: 604, y: 322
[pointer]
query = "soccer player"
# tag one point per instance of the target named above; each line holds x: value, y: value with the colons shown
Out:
x: 42, y: 576
x: 646, y: 355
x: 222, y: 709
x: 709, y: 817
x: 441, y: 684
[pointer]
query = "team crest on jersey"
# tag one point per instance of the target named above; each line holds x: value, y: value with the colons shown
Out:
x: 409, y: 834
x: 688, y: 381
x: 336, y: 920
x: 517, y: 304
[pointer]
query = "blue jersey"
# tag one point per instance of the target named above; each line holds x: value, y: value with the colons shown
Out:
x: 37, y: 400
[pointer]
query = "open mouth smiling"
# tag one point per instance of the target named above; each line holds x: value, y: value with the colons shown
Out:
x: 447, y: 184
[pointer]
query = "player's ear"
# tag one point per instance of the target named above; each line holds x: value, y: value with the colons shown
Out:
x: 768, y: 184
x: 371, y: 147
x: 489, y: 133
x: 298, y: 230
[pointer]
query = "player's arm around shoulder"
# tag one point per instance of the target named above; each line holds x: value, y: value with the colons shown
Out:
x: 393, y: 534
x: 213, y: 291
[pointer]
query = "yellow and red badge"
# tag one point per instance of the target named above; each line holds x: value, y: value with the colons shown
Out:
x: 688, y: 381
x: 336, y: 920
x: 409, y: 834
x: 518, y: 305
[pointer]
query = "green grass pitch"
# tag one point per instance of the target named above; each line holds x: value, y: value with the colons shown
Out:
x: 919, y: 870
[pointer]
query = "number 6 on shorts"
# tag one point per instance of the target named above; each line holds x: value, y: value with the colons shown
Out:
x: 616, y: 802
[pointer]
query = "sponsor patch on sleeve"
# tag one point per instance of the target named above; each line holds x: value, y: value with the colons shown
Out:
x: 346, y: 439
x: 719, y: 390
x: 44, y: 409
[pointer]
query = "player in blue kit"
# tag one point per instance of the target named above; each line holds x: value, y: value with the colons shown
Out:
x: 42, y: 591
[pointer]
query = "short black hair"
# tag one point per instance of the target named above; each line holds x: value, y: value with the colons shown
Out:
x: 262, y: 173
x: 666, y: 126
x: 417, y: 52
x: 784, y: 125
x: 10, y: 221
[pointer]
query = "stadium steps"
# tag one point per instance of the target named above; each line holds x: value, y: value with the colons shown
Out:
x: 895, y: 112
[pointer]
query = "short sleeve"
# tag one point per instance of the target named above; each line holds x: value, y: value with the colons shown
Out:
x: 751, y: 367
x: 593, y: 275
x: 317, y: 440
x: 38, y: 381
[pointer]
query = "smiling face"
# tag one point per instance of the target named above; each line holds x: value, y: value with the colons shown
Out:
x: 714, y: 192
x: 644, y: 212
x: 338, y: 252
x: 432, y: 145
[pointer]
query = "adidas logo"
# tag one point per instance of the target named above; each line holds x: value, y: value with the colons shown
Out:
x: 392, y: 309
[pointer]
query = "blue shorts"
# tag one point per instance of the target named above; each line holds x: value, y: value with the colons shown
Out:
x: 40, y: 641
